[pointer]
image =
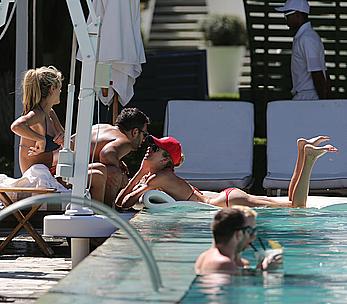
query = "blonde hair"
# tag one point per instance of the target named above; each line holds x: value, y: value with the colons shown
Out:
x: 247, y: 211
x: 37, y: 84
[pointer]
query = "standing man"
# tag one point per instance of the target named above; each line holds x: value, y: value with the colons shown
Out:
x: 309, y: 73
x: 109, y: 144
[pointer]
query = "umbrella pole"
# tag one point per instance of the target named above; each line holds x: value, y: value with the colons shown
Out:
x: 115, y: 108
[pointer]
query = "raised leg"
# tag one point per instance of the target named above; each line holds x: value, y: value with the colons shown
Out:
x: 301, y: 188
x: 301, y: 143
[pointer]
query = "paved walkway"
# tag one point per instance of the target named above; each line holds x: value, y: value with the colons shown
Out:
x: 25, y: 274
x: 25, y: 279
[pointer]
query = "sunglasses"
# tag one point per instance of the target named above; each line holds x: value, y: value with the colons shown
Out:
x: 250, y: 230
x: 145, y: 134
x: 262, y: 245
x: 154, y: 147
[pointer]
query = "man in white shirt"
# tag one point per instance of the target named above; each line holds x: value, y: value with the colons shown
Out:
x: 309, y: 73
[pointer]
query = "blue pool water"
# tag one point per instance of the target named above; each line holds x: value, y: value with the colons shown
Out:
x: 315, y: 262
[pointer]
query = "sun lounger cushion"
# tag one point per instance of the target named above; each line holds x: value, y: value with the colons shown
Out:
x: 217, y: 141
x: 286, y: 122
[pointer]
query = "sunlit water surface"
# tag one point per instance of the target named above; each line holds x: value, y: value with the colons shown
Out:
x: 315, y: 262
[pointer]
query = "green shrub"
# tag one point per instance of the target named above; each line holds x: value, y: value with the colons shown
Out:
x: 225, y: 96
x: 224, y: 30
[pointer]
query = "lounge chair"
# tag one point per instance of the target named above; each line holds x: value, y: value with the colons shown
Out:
x: 288, y: 120
x: 36, y: 180
x: 217, y: 140
x: 23, y: 219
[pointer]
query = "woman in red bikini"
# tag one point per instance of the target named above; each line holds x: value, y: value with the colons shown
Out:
x: 157, y: 172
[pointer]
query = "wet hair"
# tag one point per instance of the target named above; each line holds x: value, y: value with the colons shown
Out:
x: 225, y: 223
x: 131, y: 118
x: 37, y: 84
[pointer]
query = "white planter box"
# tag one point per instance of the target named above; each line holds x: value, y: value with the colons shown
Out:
x: 224, y: 64
x: 231, y: 7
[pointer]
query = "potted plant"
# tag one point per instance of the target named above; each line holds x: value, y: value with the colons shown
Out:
x: 226, y: 39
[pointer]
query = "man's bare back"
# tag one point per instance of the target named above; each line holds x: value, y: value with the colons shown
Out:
x: 109, y: 138
x: 212, y: 261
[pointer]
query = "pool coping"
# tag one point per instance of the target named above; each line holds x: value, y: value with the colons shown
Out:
x: 115, y: 272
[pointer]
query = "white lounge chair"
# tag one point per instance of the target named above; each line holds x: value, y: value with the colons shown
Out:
x: 286, y: 122
x: 217, y: 141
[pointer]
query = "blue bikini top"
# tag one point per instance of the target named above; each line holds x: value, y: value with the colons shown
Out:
x: 50, y: 144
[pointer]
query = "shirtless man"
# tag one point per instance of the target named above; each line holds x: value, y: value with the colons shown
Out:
x: 112, y: 143
x: 233, y: 231
x: 157, y: 172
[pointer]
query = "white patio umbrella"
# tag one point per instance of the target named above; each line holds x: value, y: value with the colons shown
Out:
x: 112, y: 36
x: 120, y: 45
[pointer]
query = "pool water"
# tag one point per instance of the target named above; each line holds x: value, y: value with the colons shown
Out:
x: 314, y: 269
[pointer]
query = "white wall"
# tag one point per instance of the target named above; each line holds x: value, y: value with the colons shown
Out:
x: 234, y: 7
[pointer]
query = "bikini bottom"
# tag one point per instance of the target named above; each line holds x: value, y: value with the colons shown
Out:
x: 227, y: 192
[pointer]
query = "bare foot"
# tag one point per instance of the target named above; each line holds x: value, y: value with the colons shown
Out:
x: 316, y: 152
x: 314, y: 141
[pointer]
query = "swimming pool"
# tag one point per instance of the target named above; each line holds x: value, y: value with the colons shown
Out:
x: 314, y: 270
x: 315, y: 263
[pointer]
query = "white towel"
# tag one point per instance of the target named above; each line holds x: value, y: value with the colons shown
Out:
x: 37, y: 176
x: 121, y: 43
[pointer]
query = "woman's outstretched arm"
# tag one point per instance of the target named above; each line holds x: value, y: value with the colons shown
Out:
x: 129, y: 188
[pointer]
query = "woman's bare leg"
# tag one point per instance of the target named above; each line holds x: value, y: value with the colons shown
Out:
x: 240, y: 197
x: 116, y: 180
x: 301, y: 143
x: 311, y: 154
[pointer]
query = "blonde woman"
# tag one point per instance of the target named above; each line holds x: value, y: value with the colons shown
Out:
x: 41, y: 133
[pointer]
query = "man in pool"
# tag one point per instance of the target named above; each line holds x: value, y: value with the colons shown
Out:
x: 233, y: 231
x: 157, y: 172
